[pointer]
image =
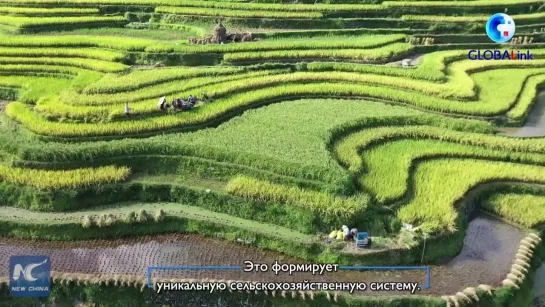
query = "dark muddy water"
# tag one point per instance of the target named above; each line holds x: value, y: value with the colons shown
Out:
x: 535, y: 126
x: 539, y: 287
x: 489, y: 248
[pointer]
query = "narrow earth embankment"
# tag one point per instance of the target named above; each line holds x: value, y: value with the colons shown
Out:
x: 489, y: 248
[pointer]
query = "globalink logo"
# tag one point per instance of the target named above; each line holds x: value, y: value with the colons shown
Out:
x: 499, y: 55
x: 500, y: 28
x: 29, y: 276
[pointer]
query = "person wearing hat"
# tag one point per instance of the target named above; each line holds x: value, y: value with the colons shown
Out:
x: 354, y: 233
x: 162, y: 103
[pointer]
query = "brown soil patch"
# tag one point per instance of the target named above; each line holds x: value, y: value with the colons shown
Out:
x: 489, y: 249
x: 133, y: 256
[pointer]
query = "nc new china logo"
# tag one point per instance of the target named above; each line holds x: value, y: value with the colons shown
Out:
x: 29, y: 276
x: 500, y: 28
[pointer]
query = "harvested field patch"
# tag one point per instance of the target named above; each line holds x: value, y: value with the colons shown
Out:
x: 295, y: 128
x: 114, y: 257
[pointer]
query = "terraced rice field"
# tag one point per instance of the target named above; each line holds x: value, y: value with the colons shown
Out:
x: 311, y: 123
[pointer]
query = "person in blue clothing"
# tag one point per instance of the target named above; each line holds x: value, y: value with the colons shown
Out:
x: 186, y: 105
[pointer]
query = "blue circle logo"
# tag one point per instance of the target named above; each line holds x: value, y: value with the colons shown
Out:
x: 500, y: 28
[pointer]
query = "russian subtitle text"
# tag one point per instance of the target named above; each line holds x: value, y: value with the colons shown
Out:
x: 290, y: 268
x: 305, y: 285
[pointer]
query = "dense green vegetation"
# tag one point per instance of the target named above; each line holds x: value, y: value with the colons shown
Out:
x: 432, y: 204
x: 523, y: 209
x: 44, y: 179
x: 312, y: 123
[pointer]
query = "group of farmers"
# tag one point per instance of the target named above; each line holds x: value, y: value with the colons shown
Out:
x: 181, y: 104
x: 178, y: 103
x: 346, y: 234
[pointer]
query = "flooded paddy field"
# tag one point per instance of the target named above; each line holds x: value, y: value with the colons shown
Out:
x: 539, y: 287
x: 535, y: 125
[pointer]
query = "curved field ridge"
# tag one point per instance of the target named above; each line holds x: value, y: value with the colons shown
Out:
x: 78, y: 178
x: 380, y: 178
x: 173, y: 209
x: 524, y: 209
x: 33, y: 22
x: 318, y: 202
x: 234, y: 93
x: 439, y: 184
x: 384, y: 164
x: 357, y: 112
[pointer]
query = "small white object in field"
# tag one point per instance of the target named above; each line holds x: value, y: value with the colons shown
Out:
x: 406, y: 63
x: 162, y: 100
x: 408, y: 226
x: 207, y: 190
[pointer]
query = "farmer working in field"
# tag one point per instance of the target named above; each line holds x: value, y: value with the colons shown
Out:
x: 186, y: 105
x: 162, y: 103
x: 180, y: 103
x: 127, y: 110
x: 191, y: 99
x: 354, y: 233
